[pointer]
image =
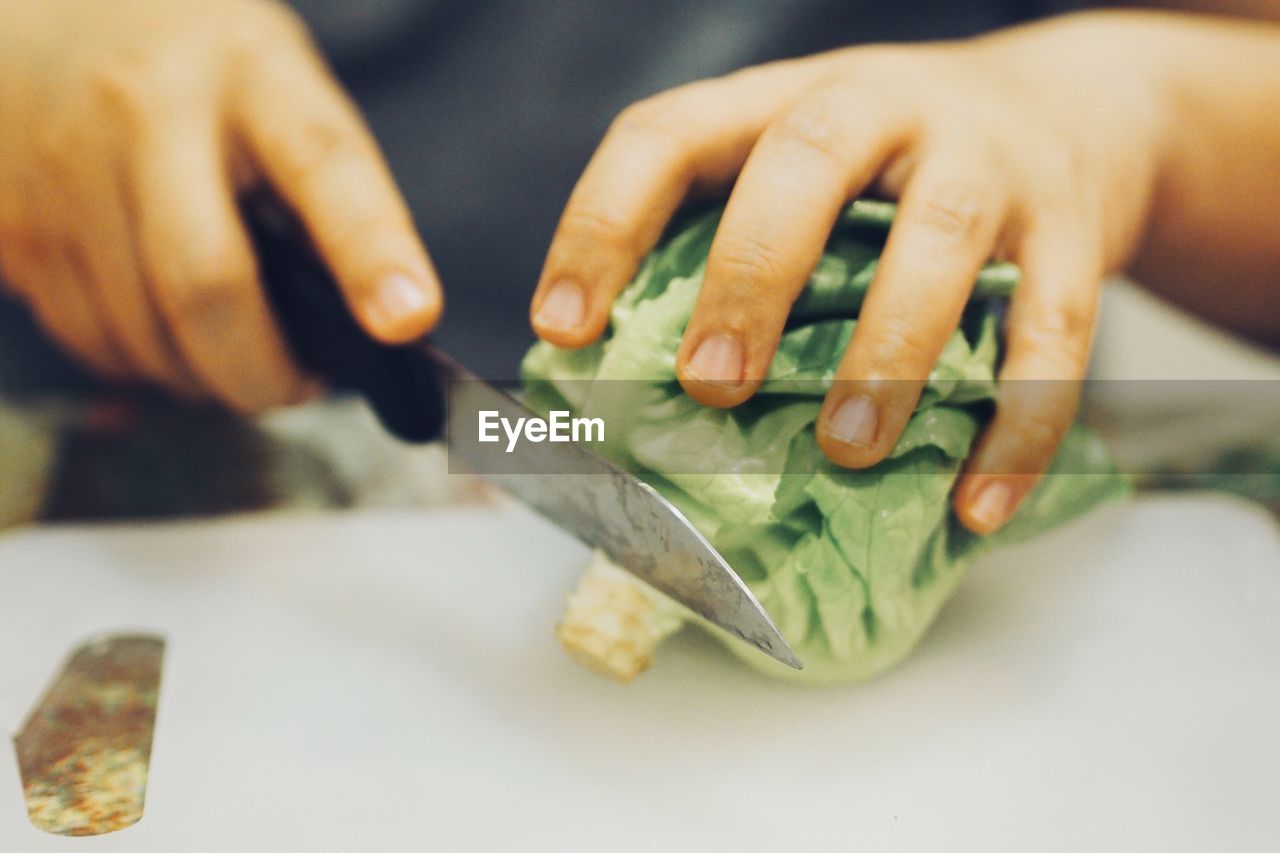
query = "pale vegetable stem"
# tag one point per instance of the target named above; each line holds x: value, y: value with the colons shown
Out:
x: 613, y: 623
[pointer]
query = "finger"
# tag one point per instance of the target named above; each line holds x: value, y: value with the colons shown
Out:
x: 61, y: 304
x: 306, y: 137
x: 655, y: 153
x: 36, y: 268
x: 775, y: 226
x: 199, y: 263
x: 947, y: 223
x: 103, y: 255
x: 1050, y: 331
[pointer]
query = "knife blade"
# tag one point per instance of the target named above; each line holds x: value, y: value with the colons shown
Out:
x: 84, y: 751
x: 414, y: 389
x: 608, y: 508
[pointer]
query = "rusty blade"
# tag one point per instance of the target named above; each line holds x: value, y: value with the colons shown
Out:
x: 85, y: 750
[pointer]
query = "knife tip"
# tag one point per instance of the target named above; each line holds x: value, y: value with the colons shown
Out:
x: 789, y: 658
x: 776, y: 647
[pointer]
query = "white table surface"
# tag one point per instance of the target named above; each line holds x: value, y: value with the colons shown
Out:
x: 389, y: 681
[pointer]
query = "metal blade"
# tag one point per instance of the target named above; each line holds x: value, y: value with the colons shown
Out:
x: 607, y: 508
x: 85, y: 751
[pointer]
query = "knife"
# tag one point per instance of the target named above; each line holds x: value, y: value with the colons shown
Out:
x: 420, y: 394
x: 84, y: 752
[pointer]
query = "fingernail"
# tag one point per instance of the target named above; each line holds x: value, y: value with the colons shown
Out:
x: 399, y: 298
x: 564, y: 307
x: 854, y: 421
x: 718, y: 359
x: 990, y: 509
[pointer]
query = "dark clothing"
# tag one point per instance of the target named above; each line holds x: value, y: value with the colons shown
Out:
x: 488, y: 111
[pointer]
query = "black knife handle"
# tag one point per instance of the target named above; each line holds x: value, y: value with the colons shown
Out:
x: 400, y: 382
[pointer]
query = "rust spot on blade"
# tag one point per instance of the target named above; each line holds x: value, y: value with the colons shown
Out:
x: 86, y: 749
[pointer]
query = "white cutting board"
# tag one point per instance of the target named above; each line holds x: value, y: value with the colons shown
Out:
x: 388, y: 682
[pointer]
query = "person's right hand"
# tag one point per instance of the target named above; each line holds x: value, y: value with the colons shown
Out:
x: 129, y: 129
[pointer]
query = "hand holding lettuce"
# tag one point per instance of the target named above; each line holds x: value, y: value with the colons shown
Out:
x: 852, y: 565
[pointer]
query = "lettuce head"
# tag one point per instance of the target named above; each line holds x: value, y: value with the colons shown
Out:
x: 852, y: 566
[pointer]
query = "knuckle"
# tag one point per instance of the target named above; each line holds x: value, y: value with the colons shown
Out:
x: 747, y: 260
x: 1062, y: 168
x: 1038, y: 430
x: 136, y: 89
x: 888, y: 62
x: 641, y: 113
x: 813, y: 126
x: 1060, y: 336
x: 905, y: 70
x: 1069, y: 323
x: 317, y: 145
x: 1057, y: 166
x: 253, y: 28
x: 274, y: 13
x: 382, y: 233
x: 955, y: 211
x: 661, y: 119
x: 593, y: 225
x: 898, y: 342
